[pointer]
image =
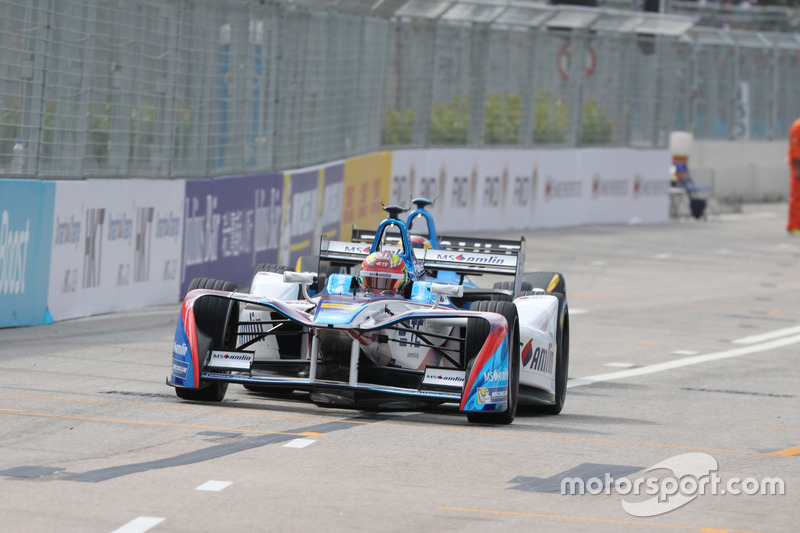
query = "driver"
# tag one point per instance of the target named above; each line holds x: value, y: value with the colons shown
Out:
x: 384, y: 271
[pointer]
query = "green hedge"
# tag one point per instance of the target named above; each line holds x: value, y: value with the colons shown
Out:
x: 449, y: 122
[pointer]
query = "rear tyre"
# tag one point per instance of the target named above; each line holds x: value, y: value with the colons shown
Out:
x: 310, y: 263
x: 509, y: 286
x: 269, y: 267
x: 547, y: 281
x: 477, y: 333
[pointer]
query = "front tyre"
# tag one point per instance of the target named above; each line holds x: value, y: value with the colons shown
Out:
x: 213, y: 318
x: 214, y: 392
x: 562, y: 359
x: 477, y: 333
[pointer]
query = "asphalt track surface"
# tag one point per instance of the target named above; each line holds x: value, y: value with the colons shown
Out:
x: 685, y: 340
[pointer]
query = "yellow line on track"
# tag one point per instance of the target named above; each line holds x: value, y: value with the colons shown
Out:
x: 789, y: 452
x: 778, y: 427
x: 590, y: 519
x: 145, y: 423
x: 393, y: 426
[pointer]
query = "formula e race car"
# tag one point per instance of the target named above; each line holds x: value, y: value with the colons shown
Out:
x: 386, y: 336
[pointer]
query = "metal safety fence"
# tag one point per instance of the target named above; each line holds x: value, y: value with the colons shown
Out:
x: 192, y: 88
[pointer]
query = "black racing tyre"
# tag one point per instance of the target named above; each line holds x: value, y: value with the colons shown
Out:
x: 476, y: 335
x: 562, y: 359
x: 211, y: 314
x: 509, y: 286
x: 213, y: 392
x: 547, y: 281
x: 269, y: 267
x: 310, y: 263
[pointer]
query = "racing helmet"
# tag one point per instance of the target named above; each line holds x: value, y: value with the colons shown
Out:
x: 418, y: 241
x: 383, y: 271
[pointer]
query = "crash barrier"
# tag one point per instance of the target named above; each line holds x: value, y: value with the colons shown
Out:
x: 78, y: 248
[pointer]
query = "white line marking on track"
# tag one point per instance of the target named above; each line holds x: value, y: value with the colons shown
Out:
x: 620, y: 365
x: 299, y: 443
x: 686, y: 361
x: 578, y: 311
x: 752, y: 339
x: 139, y: 525
x: 214, y: 486
x: 684, y: 352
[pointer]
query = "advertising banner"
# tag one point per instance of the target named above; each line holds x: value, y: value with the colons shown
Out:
x: 650, y: 189
x: 231, y: 225
x: 329, y: 220
x: 498, y: 190
x: 116, y: 245
x: 26, y: 230
x: 366, y: 185
x: 302, y: 189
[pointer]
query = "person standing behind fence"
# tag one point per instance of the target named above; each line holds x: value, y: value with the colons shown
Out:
x: 793, y: 158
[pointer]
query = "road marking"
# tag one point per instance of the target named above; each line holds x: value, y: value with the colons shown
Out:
x: 777, y: 427
x: 789, y: 452
x: 379, y: 424
x: 686, y: 361
x: 684, y: 352
x: 214, y: 486
x: 578, y: 311
x: 139, y: 525
x: 299, y: 443
x: 752, y: 339
x: 620, y: 365
x: 146, y: 423
x: 589, y: 519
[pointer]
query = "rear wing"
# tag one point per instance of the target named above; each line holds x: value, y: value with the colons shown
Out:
x: 463, y: 256
x: 459, y: 244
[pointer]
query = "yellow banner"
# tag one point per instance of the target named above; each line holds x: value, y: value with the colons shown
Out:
x: 366, y: 184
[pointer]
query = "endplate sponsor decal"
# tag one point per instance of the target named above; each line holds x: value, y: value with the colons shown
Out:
x: 444, y: 376
x: 234, y: 360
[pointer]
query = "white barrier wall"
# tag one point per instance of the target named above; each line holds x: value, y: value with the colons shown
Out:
x: 496, y: 190
x: 741, y: 171
x: 78, y: 248
x: 116, y: 246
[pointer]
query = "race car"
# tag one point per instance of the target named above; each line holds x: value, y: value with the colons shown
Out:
x: 384, y: 337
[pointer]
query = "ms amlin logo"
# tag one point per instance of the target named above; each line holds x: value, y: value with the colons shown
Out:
x: 692, y: 475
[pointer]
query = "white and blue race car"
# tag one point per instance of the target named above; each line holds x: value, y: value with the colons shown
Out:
x: 486, y: 350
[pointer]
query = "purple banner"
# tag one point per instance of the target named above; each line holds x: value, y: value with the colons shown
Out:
x: 302, y: 213
x: 231, y: 224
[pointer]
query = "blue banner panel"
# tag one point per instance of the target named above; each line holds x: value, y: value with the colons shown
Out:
x: 231, y: 224
x: 26, y: 236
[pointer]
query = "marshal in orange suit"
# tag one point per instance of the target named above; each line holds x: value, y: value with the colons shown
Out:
x: 793, y: 157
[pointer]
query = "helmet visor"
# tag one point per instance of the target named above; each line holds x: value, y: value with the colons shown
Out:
x: 382, y: 281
